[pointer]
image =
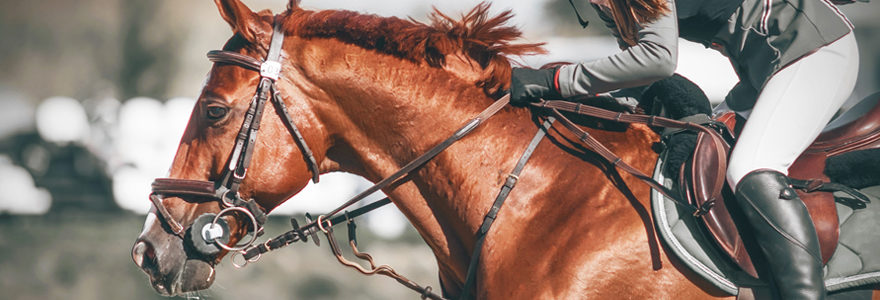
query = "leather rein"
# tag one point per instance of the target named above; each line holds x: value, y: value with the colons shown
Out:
x: 226, y: 190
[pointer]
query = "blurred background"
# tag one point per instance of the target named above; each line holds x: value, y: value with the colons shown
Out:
x: 94, y: 96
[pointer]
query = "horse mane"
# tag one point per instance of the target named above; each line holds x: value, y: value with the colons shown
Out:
x: 486, y: 40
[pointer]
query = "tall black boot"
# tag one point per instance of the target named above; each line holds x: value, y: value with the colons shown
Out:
x: 784, y: 232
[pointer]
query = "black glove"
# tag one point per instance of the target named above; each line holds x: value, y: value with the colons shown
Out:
x: 527, y: 85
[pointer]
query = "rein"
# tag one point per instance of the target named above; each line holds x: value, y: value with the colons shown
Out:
x: 297, y: 234
x: 554, y: 106
x: 325, y: 222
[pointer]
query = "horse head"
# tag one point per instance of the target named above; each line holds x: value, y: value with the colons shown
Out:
x: 209, y: 153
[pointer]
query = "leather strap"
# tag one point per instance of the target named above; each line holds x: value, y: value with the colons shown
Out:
x: 512, y: 178
x: 274, y: 55
x: 859, y: 200
x: 175, y: 226
x: 234, y: 58
x: 702, y: 119
x: 269, y: 71
x: 167, y: 186
x: 596, y: 146
x: 293, y: 235
x: 426, y: 292
x: 301, y: 233
x: 297, y: 135
x: 421, y: 160
x: 240, y: 159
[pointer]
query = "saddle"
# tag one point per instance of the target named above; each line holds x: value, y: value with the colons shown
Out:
x: 857, y: 130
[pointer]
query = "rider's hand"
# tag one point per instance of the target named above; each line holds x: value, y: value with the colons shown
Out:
x: 527, y: 85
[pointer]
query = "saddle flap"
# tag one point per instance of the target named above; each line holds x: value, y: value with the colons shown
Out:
x: 704, y: 170
x: 704, y: 173
x: 707, y: 170
x: 810, y: 165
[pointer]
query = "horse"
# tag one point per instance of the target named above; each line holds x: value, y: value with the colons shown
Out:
x: 369, y: 94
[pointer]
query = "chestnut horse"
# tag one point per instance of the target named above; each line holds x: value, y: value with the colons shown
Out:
x: 369, y: 94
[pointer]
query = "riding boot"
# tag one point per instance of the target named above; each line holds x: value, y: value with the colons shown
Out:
x: 784, y: 232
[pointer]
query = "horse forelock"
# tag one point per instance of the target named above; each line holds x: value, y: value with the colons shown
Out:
x: 486, y: 40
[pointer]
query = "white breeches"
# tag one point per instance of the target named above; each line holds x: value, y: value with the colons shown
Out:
x: 793, y: 108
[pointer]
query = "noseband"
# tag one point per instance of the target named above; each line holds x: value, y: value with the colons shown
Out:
x: 214, y: 231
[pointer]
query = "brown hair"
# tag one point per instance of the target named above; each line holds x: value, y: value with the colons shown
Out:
x: 630, y: 15
x: 485, y: 39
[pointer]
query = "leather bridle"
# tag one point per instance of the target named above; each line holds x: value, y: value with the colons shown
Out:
x: 226, y: 190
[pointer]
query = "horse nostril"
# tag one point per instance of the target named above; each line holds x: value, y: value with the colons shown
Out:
x: 140, y: 252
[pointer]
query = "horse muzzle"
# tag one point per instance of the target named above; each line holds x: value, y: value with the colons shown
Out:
x: 171, y: 271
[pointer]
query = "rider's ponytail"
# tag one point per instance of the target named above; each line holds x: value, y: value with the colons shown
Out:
x: 629, y: 15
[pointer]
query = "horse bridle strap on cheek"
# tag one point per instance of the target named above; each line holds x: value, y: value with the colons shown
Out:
x: 226, y: 190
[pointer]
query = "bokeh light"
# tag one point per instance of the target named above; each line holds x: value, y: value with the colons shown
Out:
x: 62, y: 120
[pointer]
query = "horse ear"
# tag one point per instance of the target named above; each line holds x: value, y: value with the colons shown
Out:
x: 242, y: 19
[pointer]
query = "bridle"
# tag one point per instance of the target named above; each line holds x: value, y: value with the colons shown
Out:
x: 213, y: 231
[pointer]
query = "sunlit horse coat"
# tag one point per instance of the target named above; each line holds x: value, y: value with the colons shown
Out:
x: 760, y: 37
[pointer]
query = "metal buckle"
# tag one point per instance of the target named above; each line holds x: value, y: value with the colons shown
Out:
x: 224, y: 196
x: 237, y: 176
x: 238, y: 247
x: 703, y: 209
x: 321, y: 221
x: 270, y: 69
x: 241, y: 263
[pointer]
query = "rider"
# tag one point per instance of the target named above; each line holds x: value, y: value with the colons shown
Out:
x: 797, y: 63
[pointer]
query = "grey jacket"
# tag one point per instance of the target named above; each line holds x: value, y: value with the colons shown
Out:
x: 760, y: 38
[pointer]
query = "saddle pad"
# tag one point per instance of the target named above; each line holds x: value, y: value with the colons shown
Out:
x: 856, y: 262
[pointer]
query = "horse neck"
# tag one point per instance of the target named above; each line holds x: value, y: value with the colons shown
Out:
x: 384, y: 112
x: 389, y: 108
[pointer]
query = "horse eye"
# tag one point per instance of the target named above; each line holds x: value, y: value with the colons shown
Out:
x: 216, y: 112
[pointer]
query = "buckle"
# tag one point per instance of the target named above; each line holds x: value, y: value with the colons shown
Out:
x: 270, y: 69
x: 703, y: 209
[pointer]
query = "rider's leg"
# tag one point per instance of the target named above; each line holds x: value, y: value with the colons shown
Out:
x: 785, y: 234
x: 790, y: 112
